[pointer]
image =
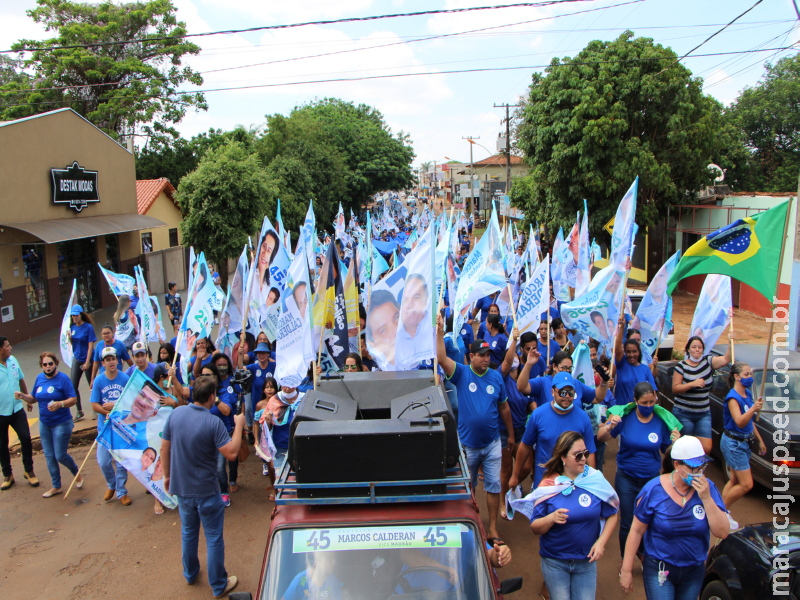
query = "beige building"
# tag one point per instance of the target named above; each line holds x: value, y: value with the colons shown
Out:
x: 69, y: 201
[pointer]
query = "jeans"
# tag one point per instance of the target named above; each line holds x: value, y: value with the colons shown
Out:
x: 222, y: 475
x: 627, y: 489
x: 599, y: 454
x: 696, y: 424
x: 116, y: 475
x: 19, y: 423
x: 570, y: 579
x: 75, y: 376
x: 210, y: 512
x: 490, y: 457
x: 55, y: 441
x: 683, y: 583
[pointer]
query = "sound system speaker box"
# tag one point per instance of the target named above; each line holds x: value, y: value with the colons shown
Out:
x: 374, y: 390
x: 373, y: 450
x: 430, y: 402
x: 318, y: 406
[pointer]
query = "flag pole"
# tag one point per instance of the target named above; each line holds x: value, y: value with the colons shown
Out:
x: 83, y: 464
x: 730, y: 331
x: 775, y: 298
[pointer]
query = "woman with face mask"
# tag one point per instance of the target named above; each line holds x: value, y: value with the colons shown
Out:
x: 643, y: 436
x: 737, y: 417
x: 674, y: 516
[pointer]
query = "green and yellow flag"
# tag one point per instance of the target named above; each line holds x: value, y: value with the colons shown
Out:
x: 748, y: 249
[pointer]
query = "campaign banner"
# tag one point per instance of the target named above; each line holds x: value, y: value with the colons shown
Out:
x: 376, y: 537
x: 595, y: 313
x: 132, y: 433
x: 713, y: 311
x: 295, y: 349
x: 198, y: 319
x: 149, y: 328
x: 64, y: 342
x: 232, y: 315
x: 271, y: 265
x: 534, y: 298
x: 655, y: 309
x: 118, y: 282
x: 583, y: 275
x: 624, y: 230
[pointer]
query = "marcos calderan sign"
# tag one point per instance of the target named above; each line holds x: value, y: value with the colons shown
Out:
x: 75, y: 186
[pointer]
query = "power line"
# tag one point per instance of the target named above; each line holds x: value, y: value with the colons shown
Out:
x: 541, y: 4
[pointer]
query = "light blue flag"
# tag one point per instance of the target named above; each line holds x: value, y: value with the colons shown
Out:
x: 622, y: 238
x: 151, y: 329
x: 230, y: 319
x: 198, y: 319
x: 596, y: 252
x: 560, y: 255
x: 655, y: 308
x: 118, y: 282
x: 583, y: 275
x: 65, y: 341
x: 713, y: 311
x: 534, y: 298
x: 595, y: 313
x: 295, y: 347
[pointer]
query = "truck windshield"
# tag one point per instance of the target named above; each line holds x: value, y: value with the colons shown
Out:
x: 378, y: 562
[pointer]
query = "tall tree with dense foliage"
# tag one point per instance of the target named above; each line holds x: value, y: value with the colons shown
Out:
x: 118, y: 65
x: 768, y: 115
x: 594, y: 122
x: 224, y: 200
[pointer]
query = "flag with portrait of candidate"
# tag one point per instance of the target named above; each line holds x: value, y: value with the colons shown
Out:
x: 132, y: 433
x: 295, y: 347
x: 119, y: 283
x: 65, y: 342
x: 713, y: 311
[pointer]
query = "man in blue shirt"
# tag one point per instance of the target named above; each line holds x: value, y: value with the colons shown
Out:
x: 191, y: 439
x: 261, y: 369
x: 481, y: 400
x: 547, y: 423
x: 12, y: 415
x: 106, y: 390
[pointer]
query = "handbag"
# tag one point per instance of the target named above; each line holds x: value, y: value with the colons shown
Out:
x: 244, y: 449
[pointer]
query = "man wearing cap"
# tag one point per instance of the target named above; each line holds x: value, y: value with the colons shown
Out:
x: 140, y: 361
x: 261, y: 369
x: 481, y: 402
x: 82, y: 338
x: 106, y: 390
x: 547, y: 423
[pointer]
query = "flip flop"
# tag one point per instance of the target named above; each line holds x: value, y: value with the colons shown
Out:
x: 271, y: 498
x: 159, y: 509
x: 79, y: 484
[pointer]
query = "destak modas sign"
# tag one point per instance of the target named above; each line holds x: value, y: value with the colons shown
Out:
x: 75, y: 186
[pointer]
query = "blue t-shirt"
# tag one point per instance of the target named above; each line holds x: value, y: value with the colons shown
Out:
x: 149, y: 370
x: 483, y: 304
x: 55, y: 389
x: 641, y: 445
x: 498, y: 344
x: 195, y: 436
x: 10, y: 376
x: 627, y: 377
x: 675, y: 534
x: 227, y: 394
x: 455, y: 351
x: 259, y: 379
x: 517, y: 402
x: 542, y: 431
x: 108, y: 390
x: 744, y: 405
x: 467, y: 336
x: 122, y: 354
x: 81, y: 336
x: 574, y: 539
x: 478, y: 397
x: 280, y: 433
x: 203, y: 363
x: 540, y: 367
x: 542, y: 391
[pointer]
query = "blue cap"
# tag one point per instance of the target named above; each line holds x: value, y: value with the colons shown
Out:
x: 263, y: 347
x: 76, y: 309
x: 562, y: 380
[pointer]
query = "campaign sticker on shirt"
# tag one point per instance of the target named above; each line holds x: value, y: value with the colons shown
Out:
x: 494, y: 344
x: 473, y: 387
x: 258, y: 372
x: 50, y: 389
x: 230, y: 389
x: 464, y: 331
x: 490, y: 389
x: 584, y: 500
x: 699, y: 512
x: 39, y: 390
x: 653, y: 437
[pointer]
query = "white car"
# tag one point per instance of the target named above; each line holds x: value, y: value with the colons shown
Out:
x: 668, y: 341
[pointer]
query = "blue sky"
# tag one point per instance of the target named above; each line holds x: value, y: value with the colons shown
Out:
x: 437, y: 110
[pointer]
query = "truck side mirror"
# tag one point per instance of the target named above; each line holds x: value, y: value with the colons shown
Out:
x: 510, y: 585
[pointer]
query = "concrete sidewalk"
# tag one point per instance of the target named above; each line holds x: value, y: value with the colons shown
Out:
x: 27, y: 353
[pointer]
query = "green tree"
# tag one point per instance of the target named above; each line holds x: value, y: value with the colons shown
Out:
x: 113, y: 66
x: 617, y: 110
x: 768, y: 116
x: 224, y: 200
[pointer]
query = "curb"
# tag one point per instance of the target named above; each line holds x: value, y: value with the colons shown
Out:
x: 82, y: 437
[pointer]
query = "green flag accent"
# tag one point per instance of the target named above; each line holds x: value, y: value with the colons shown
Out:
x: 748, y: 249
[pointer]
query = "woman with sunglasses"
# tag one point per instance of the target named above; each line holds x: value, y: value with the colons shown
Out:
x: 675, y: 515
x: 643, y: 436
x: 570, y: 505
x: 54, y: 392
x: 352, y: 363
x: 630, y: 369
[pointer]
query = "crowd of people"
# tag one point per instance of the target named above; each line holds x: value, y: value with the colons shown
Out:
x: 520, y: 414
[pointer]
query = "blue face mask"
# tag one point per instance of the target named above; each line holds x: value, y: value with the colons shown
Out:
x: 689, y: 478
x: 645, y: 411
x: 565, y: 410
x: 747, y: 382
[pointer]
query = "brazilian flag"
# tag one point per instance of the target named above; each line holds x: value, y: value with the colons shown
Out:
x: 748, y: 249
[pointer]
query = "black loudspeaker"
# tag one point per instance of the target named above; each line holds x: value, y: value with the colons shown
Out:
x: 375, y: 450
x: 318, y: 406
x: 430, y: 402
x: 374, y: 391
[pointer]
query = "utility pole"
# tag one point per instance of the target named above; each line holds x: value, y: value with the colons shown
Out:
x: 470, y: 139
x: 508, y: 144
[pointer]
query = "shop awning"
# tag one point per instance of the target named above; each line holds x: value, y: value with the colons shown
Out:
x: 61, y: 230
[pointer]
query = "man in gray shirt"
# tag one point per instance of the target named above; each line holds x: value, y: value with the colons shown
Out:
x: 191, y: 439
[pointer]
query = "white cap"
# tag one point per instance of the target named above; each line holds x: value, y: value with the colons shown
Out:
x: 689, y: 450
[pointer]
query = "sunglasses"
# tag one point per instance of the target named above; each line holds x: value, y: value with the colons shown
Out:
x: 565, y: 369
x: 695, y: 470
x: 350, y: 368
x: 579, y: 456
x: 50, y: 364
x: 566, y: 393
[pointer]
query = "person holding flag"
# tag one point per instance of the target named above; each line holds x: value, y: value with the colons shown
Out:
x: 82, y: 338
x: 630, y: 369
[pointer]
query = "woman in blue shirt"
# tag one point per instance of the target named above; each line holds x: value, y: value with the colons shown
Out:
x: 630, y: 370
x: 643, y: 437
x: 675, y: 514
x: 82, y: 338
x: 569, y: 522
x: 497, y: 338
x: 227, y: 394
x: 737, y: 417
x: 54, y: 392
